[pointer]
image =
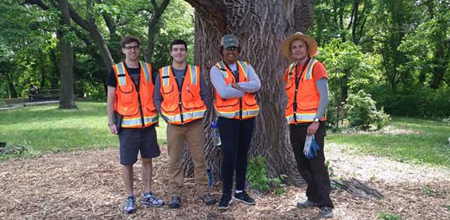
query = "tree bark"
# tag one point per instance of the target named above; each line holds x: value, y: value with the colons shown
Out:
x: 67, y: 97
x: 260, y: 26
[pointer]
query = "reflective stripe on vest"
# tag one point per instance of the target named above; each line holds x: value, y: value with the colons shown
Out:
x: 121, y: 75
x: 136, y: 122
x: 245, y: 113
x: 194, y: 115
x: 146, y: 70
x: 302, y: 117
x: 165, y: 76
x: 194, y: 74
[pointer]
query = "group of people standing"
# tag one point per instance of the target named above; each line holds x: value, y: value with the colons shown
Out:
x: 179, y: 94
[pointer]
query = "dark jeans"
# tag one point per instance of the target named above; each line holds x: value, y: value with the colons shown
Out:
x: 313, y: 171
x: 235, y: 136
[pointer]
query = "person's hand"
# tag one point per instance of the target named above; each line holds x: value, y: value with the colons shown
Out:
x: 235, y: 85
x: 312, y: 129
x: 112, y: 128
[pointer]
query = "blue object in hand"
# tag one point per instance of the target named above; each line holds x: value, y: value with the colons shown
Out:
x: 311, y: 147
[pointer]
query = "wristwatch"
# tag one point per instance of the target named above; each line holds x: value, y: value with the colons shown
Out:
x: 316, y: 120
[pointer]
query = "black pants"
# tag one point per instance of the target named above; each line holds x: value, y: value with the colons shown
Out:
x: 313, y: 171
x: 236, y: 136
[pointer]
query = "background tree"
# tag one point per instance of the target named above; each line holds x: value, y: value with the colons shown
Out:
x: 67, y: 97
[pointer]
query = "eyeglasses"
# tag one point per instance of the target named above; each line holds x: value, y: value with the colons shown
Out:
x: 132, y: 47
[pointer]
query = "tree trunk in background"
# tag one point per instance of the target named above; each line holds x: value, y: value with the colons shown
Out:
x: 153, y: 28
x: 67, y: 97
x: 260, y: 26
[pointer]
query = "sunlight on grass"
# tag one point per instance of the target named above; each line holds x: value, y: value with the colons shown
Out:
x: 48, y: 129
x: 426, y: 144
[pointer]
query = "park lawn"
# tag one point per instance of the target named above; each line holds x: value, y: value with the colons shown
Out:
x: 419, y: 141
x: 45, y: 129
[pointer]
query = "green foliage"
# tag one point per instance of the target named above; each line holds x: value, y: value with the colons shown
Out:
x: 257, y: 175
x: 362, y: 114
x: 388, y: 216
x: 428, y: 190
x: 329, y: 168
x: 414, y: 101
x: 417, y: 141
x: 447, y: 207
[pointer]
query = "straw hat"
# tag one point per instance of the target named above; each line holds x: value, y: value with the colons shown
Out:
x: 286, y: 45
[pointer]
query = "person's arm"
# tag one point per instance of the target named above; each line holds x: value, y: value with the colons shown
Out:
x: 204, y: 92
x: 110, y: 109
x: 253, y: 84
x: 225, y: 91
x: 157, y: 97
x: 322, y: 87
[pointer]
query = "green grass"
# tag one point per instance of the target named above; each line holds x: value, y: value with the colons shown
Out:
x: 44, y: 129
x: 428, y: 146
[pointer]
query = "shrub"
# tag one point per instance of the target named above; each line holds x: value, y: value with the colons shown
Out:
x: 361, y: 112
x: 257, y: 175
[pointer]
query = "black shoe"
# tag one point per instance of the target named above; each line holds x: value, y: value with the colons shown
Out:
x: 244, y: 197
x: 305, y: 205
x: 225, y: 202
x: 208, y: 199
x: 326, y: 212
x: 175, y: 202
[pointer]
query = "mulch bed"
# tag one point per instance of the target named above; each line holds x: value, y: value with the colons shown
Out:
x: 88, y: 185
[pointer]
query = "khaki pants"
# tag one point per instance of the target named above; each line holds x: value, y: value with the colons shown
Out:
x: 194, y: 134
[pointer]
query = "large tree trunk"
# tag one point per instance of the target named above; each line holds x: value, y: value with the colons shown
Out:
x: 260, y: 26
x: 67, y: 97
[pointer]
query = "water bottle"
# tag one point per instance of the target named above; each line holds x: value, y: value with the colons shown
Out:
x: 215, y: 134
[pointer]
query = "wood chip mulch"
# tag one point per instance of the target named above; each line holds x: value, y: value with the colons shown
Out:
x: 88, y: 185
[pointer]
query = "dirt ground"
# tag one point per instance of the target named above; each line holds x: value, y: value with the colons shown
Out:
x: 88, y: 185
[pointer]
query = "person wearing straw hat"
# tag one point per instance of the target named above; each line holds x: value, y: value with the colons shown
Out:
x: 307, y: 91
x: 235, y: 83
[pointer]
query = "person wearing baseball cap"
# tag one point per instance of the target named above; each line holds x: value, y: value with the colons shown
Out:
x: 235, y: 83
x: 307, y: 91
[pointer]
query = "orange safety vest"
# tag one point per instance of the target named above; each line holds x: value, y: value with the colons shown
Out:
x: 191, y: 107
x: 235, y: 108
x: 307, y: 97
x: 127, y: 98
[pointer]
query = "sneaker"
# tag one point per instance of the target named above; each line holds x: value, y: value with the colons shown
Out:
x: 326, y: 212
x: 208, y: 199
x: 225, y: 202
x: 305, y: 205
x: 151, y: 200
x: 175, y: 202
x: 130, y: 205
x: 244, y: 197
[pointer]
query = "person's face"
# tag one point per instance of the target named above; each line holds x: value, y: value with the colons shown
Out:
x: 299, y: 50
x: 178, y: 53
x: 131, y: 51
x: 230, y: 55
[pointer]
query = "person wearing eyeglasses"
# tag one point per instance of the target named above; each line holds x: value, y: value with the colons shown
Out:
x: 235, y: 83
x: 182, y: 98
x: 132, y: 116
